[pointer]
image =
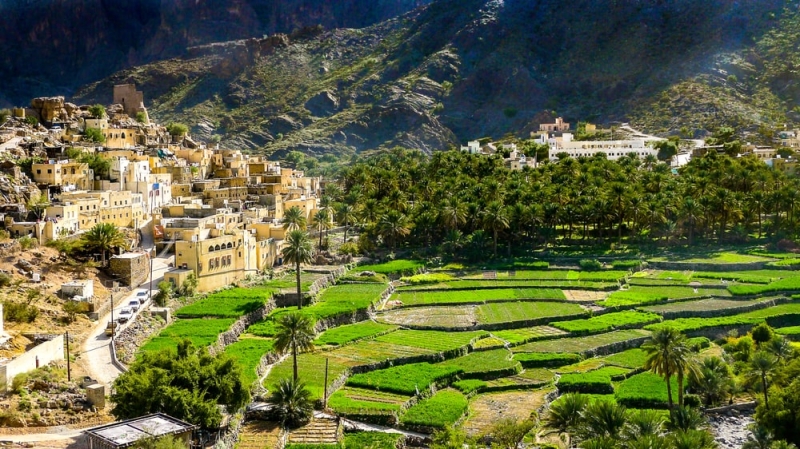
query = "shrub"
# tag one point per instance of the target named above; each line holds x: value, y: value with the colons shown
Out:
x: 349, y: 248
x: 141, y: 117
x: 94, y: 135
x: 634, y: 265
x: 546, y: 359
x: 177, y: 129
x: 97, y: 111
x: 19, y: 312
x: 590, y: 264
x: 5, y: 279
x: 699, y: 343
x: 27, y: 242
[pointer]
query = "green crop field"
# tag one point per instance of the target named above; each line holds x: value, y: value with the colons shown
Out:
x: 632, y: 358
x: 399, y: 266
x: 546, y: 359
x: 789, y: 311
x: 582, y: 344
x: 350, y: 400
x: 639, y: 295
x: 311, y: 370
x: 413, y: 298
x: 431, y: 340
x: 345, y: 334
x: 645, y: 390
x: 231, y: 303
x: 403, y: 379
x: 372, y: 440
x: 467, y: 386
x: 526, y: 334
x: 482, y: 362
x: 718, y: 258
x: 201, y: 332
x: 747, y: 277
x: 607, y: 322
x: 702, y: 305
x: 790, y: 284
x: 596, y: 382
x: 488, y: 343
x: 247, y: 353
x: 522, y: 311
x: 788, y: 331
x: 439, y: 411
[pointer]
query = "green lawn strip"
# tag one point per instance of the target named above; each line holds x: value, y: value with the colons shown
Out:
x: 791, y: 330
x: 404, y: 379
x: 400, y: 266
x: 431, y: 340
x: 781, y: 314
x: 485, y: 364
x: 597, y: 381
x: 439, y: 411
x: 475, y: 296
x: 468, y: 386
x: 342, y: 335
x: 592, y: 398
x: 459, y: 285
x: 526, y: 334
x: 748, y: 277
x: 582, y: 344
x: 645, y: 390
x: 489, y: 343
x: 311, y: 371
x: 200, y: 331
x: 231, y: 303
x: 372, y: 440
x: 351, y: 401
x: 639, y: 295
x: 546, y: 359
x: 247, y: 353
x: 704, y: 306
x: 632, y: 358
x: 607, y: 322
x: 790, y: 284
x: 335, y: 300
x: 525, y: 311
x: 722, y: 258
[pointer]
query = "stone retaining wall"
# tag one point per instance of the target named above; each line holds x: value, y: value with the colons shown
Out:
x: 239, y: 326
x: 719, y: 267
x: 614, y: 347
x: 744, y: 406
x: 723, y: 312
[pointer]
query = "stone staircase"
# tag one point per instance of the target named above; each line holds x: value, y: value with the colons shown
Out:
x: 321, y: 430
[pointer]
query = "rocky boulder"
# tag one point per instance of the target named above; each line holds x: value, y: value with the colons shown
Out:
x: 49, y: 108
x: 323, y: 104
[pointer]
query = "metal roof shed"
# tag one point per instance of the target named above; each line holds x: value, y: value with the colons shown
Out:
x: 126, y: 433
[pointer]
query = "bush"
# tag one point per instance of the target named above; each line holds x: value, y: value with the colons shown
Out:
x: 97, y: 111
x: 546, y: 359
x: 141, y: 117
x: 590, y: 264
x: 94, y: 135
x: 349, y: 248
x: 699, y: 343
x: 27, y: 242
x: 177, y: 129
x: 5, y: 279
x: 19, y: 312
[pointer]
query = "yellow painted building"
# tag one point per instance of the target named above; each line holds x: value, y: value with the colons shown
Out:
x: 64, y: 174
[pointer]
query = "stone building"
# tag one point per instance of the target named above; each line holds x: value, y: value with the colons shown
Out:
x: 130, y: 268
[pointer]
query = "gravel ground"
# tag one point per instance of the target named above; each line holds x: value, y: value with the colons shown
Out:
x: 730, y: 430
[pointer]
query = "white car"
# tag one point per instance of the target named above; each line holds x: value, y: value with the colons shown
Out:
x: 125, y: 315
x: 134, y: 305
x: 142, y: 297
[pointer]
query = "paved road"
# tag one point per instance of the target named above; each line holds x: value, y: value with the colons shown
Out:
x: 97, y: 348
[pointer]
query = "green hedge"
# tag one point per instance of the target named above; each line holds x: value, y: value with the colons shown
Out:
x: 607, y: 322
x: 546, y: 359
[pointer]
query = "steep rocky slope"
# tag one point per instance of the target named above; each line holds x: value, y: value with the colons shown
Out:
x: 460, y: 69
x: 50, y: 47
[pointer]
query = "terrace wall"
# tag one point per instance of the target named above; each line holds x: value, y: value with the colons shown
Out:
x: 239, y: 326
x: 719, y: 267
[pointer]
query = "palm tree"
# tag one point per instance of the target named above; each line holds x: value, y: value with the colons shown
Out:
x: 685, y: 419
x: 294, y: 218
x: 669, y: 355
x: 495, y: 219
x: 104, y: 237
x: 453, y: 214
x: 295, y: 332
x: 345, y: 214
x: 649, y: 442
x: 292, y: 400
x: 298, y: 250
x: 713, y: 381
x: 642, y: 423
x: 394, y: 225
x: 565, y: 413
x: 38, y: 203
x: 600, y: 443
x: 322, y: 221
x: 761, y: 365
x: 692, y: 439
x: 602, y: 419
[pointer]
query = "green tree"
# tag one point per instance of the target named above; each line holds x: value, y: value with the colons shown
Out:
x: 761, y: 365
x: 97, y: 111
x: 322, y: 222
x: 685, y: 419
x: 761, y: 334
x: 189, y: 384
x: 393, y: 226
x: 104, y: 237
x: 668, y: 354
x: 602, y: 419
x: 345, y: 214
x: 495, y: 219
x: 713, y: 381
x: 165, y: 292
x: 38, y: 203
x: 565, y: 414
x: 189, y: 286
x: 509, y: 432
x: 99, y: 164
x: 298, y: 249
x: 692, y: 439
x: 294, y: 218
x: 295, y: 333
x: 141, y: 117
x: 177, y: 129
x: 293, y: 404
x: 167, y: 442
x: 94, y: 135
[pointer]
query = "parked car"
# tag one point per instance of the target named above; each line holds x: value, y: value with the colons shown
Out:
x: 134, y: 305
x: 142, y: 297
x: 111, y: 328
x: 125, y: 315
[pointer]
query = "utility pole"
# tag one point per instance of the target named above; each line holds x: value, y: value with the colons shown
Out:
x: 150, y: 292
x: 325, y: 394
x: 69, y: 372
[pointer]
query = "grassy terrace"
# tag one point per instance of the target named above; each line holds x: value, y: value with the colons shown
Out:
x: 581, y: 344
x: 607, y: 322
x: 559, y: 275
x: 639, y: 295
x: 350, y: 400
x: 342, y: 335
x: 231, y: 303
x: 521, y: 311
x: 399, y: 266
x: 416, y: 298
x: 201, y: 332
x: 489, y: 284
x: 524, y: 335
x: 404, y: 379
x: 782, y: 313
x: 718, y: 258
x: 247, y: 353
x: 703, y: 305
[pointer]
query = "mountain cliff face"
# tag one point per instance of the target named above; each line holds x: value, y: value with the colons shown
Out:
x: 50, y: 47
x: 460, y: 69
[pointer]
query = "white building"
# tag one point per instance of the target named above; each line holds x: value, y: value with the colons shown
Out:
x: 613, y: 149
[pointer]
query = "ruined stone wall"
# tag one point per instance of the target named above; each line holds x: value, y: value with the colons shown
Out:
x: 131, y: 270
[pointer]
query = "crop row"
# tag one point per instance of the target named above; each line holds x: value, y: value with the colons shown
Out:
x: 783, y: 313
x: 607, y: 322
x: 404, y: 379
x: 638, y: 295
x: 597, y: 381
x: 401, y: 266
x: 517, y: 283
x: 247, y: 352
x: 415, y: 298
x: 342, y: 335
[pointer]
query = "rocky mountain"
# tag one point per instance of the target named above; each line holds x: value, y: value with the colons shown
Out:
x: 460, y: 69
x: 50, y: 47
